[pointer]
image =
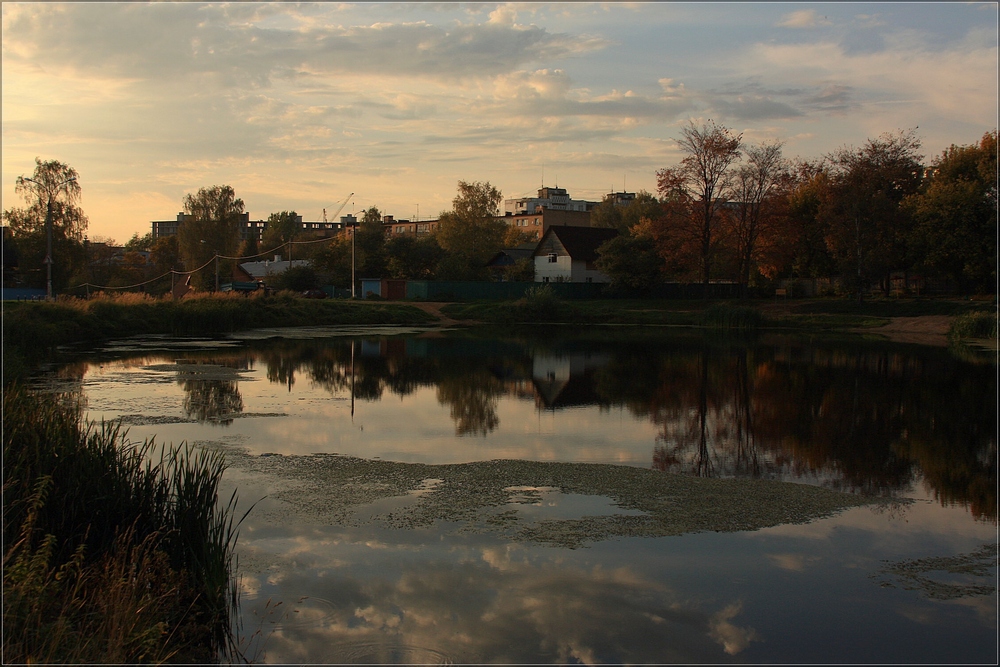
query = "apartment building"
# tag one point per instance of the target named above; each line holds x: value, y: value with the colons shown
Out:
x: 555, y: 199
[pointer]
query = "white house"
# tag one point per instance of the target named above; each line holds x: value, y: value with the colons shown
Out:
x: 567, y: 254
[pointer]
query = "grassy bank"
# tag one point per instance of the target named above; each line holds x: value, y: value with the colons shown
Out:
x: 814, y: 314
x: 109, y: 558
x: 31, y: 330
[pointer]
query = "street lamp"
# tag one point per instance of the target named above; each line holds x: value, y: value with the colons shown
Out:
x: 50, y: 193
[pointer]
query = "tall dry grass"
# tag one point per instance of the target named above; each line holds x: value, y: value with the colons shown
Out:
x: 110, y: 556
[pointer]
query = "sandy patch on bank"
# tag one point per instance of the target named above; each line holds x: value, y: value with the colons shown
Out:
x: 921, y: 330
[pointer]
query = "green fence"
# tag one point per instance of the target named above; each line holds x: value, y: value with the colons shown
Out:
x: 440, y: 290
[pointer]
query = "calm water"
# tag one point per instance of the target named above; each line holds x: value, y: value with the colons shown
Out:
x: 331, y: 576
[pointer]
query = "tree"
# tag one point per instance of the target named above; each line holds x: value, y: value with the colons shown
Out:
x: 412, y: 257
x: 755, y: 207
x: 297, y: 279
x: 279, y: 233
x: 139, y: 243
x: 51, y: 194
x: 625, y: 216
x: 370, y: 244
x: 211, y: 228
x: 867, y: 226
x: 810, y: 255
x: 631, y: 260
x: 473, y: 231
x: 697, y: 186
x: 955, y: 216
x: 333, y: 261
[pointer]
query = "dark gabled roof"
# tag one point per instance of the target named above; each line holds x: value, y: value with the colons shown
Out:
x: 581, y: 242
x: 508, y: 256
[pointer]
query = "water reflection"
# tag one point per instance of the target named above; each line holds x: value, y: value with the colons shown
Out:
x: 211, y: 388
x: 873, y: 418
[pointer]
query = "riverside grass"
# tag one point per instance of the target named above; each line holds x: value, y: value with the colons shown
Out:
x: 110, y: 558
x: 31, y: 330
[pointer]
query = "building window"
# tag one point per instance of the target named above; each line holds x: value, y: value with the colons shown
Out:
x: 553, y: 258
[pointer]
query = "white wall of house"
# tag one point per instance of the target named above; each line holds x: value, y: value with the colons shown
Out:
x: 547, y: 271
x: 581, y: 274
x: 565, y: 270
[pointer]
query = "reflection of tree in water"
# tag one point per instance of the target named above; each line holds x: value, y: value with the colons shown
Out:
x: 211, y: 390
x: 865, y: 420
x: 473, y: 399
x: 706, y: 418
x: 861, y: 418
x: 212, y: 400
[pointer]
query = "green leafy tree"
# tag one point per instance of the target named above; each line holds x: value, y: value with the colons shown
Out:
x: 955, y: 216
x: 625, y: 216
x: 631, y: 260
x: 412, y: 257
x: 211, y: 227
x: 811, y: 257
x: 333, y: 261
x: 472, y: 231
x: 370, y: 248
x: 297, y: 279
x: 139, y: 243
x: 279, y: 233
x: 866, y: 224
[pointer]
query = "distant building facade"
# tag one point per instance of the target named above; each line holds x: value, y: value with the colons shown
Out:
x: 556, y: 199
x: 535, y: 224
x: 251, y: 228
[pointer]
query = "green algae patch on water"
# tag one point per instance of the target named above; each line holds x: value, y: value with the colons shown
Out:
x: 491, y: 497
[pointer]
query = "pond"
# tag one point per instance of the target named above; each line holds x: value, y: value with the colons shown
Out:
x: 592, y: 495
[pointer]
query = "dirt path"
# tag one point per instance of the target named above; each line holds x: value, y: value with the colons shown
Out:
x: 434, y: 309
x: 922, y: 330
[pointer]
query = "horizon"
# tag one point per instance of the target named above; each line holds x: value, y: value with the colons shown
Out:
x: 295, y: 106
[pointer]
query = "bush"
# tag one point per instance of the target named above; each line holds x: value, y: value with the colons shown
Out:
x: 977, y: 324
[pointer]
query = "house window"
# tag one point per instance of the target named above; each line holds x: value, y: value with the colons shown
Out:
x: 553, y: 257
x: 589, y: 279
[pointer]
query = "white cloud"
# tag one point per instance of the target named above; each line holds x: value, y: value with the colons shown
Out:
x: 804, y: 18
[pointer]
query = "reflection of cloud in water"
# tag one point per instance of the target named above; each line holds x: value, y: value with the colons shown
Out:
x: 522, y: 613
x: 733, y: 638
x: 791, y: 562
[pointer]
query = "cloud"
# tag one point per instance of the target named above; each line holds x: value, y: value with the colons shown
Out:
x: 178, y: 39
x: 804, y: 18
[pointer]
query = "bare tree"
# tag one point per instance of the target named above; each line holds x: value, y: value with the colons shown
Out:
x: 701, y: 179
x: 754, y: 184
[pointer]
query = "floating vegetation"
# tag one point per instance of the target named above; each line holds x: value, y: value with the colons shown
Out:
x: 489, y: 496
x: 972, y: 574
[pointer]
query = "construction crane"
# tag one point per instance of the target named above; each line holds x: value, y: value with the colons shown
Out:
x: 339, y: 208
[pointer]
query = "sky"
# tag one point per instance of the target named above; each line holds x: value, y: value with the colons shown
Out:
x: 298, y: 105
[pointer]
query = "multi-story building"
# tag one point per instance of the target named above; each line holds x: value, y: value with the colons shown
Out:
x: 255, y: 228
x: 535, y: 224
x: 555, y: 199
x: 393, y: 227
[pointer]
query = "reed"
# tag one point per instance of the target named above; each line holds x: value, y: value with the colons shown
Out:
x: 732, y: 318
x: 110, y: 555
x: 976, y: 324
